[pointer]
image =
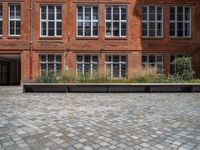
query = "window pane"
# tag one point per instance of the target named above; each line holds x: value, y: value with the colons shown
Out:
x: 123, y: 70
x: 12, y: 11
x: 87, y: 58
x: 144, y: 59
x: 123, y: 13
x: 116, y: 28
x: 187, y: 13
x: 179, y: 29
x: 95, y: 59
x: 43, y: 12
x: 59, y: 12
x: 0, y: 11
x: 0, y: 27
x: 59, y: 28
x: 50, y: 58
x: 58, y: 58
x: 144, y: 29
x: 172, y: 13
x: 123, y: 59
x: 86, y: 68
x: 95, y: 29
x: 159, y: 58
x: 108, y: 28
x: 108, y: 13
x: 51, y: 29
x: 159, y: 29
x: 115, y: 13
x: 152, y: 59
x: 187, y: 29
x: 123, y: 29
x: 79, y: 58
x: 51, y: 12
x: 88, y: 29
x: 80, y: 29
x: 43, y: 58
x: 116, y: 70
x: 95, y: 13
x: 80, y: 13
x: 44, y: 27
x: 179, y: 13
x: 115, y: 58
x: 87, y: 13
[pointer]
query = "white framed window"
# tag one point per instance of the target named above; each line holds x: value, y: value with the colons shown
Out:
x: 116, y: 21
x: 152, y: 21
x: 50, y: 20
x: 50, y: 63
x: 180, y: 21
x: 86, y: 64
x: 116, y: 66
x: 87, y: 21
x: 173, y: 68
x: 14, y: 20
x: 153, y: 61
x: 1, y: 20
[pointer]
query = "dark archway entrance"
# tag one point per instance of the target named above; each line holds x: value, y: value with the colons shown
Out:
x: 10, y: 69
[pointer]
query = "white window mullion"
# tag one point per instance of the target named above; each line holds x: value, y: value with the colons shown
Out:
x: 91, y: 21
x: 156, y: 21
x: 183, y: 21
x: 83, y: 20
x: 112, y: 21
x: 148, y: 21
x: 120, y: 21
x: 55, y: 20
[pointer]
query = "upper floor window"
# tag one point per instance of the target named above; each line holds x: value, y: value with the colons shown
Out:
x: 87, y: 21
x: 152, y: 21
x: 116, y: 21
x: 180, y: 21
x: 14, y: 20
x: 1, y: 20
x: 51, y: 21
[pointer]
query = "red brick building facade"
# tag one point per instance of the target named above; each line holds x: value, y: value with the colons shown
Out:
x: 86, y: 35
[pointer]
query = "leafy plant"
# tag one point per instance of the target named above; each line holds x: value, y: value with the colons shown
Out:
x: 47, y: 77
x: 184, y: 68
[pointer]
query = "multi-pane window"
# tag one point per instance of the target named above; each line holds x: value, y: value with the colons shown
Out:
x: 86, y: 64
x: 87, y: 21
x: 180, y: 21
x: 116, y: 21
x: 153, y: 61
x: 51, y: 20
x: 173, y: 64
x: 116, y: 66
x: 14, y: 20
x: 152, y: 21
x: 1, y: 20
x: 50, y: 63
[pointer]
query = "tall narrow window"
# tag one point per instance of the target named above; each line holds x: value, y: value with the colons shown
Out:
x: 152, y: 21
x: 86, y: 64
x: 14, y: 20
x: 153, y: 61
x: 116, y: 66
x: 87, y: 21
x: 1, y: 20
x: 51, y: 21
x: 50, y: 63
x: 116, y: 21
x: 180, y: 21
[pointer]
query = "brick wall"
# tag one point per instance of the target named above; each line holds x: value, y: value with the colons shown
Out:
x: 69, y: 45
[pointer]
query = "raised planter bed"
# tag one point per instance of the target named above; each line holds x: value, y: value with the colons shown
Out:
x: 109, y: 87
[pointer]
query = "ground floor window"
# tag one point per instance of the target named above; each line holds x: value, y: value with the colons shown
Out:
x: 86, y: 64
x: 50, y: 63
x: 173, y: 69
x: 116, y: 66
x: 153, y: 61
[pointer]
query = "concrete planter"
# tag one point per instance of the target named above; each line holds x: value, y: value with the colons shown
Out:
x: 109, y: 87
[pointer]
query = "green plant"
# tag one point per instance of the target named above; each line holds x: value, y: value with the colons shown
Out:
x: 47, y: 77
x: 184, y: 68
x: 68, y: 77
x: 161, y: 78
x: 144, y: 75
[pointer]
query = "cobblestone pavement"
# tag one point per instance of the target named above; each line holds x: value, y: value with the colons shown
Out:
x: 98, y: 121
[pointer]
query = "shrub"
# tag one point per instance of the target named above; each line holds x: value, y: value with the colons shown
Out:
x: 144, y: 75
x: 45, y: 77
x: 68, y: 77
x: 184, y: 68
x: 161, y: 78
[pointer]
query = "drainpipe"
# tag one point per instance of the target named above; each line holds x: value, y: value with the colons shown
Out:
x: 31, y: 39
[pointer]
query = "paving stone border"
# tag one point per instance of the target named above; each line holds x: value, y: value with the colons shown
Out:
x: 109, y: 88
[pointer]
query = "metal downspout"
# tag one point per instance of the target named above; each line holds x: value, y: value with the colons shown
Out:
x: 31, y: 39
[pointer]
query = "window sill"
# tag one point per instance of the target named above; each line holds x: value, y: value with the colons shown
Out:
x: 181, y: 38
x: 87, y: 38
x: 14, y: 37
x: 50, y: 38
x: 152, y: 38
x: 116, y: 38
